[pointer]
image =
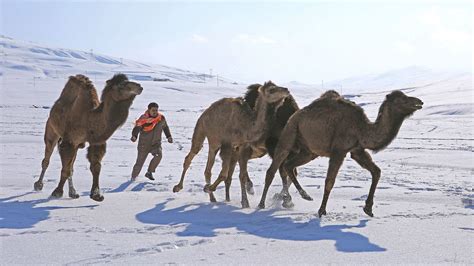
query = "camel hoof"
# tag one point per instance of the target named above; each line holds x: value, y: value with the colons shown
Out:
x: 261, y: 206
x: 245, y: 204
x: 321, y: 212
x: 73, y: 194
x: 277, y: 197
x: 227, y: 199
x: 288, y: 204
x: 368, y: 211
x: 207, y: 188
x: 249, y: 188
x: 57, y: 193
x: 177, y: 188
x: 212, y: 198
x: 305, y: 196
x: 97, y: 197
x: 38, y: 186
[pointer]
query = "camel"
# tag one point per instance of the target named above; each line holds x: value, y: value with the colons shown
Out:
x: 281, y: 114
x: 78, y: 117
x: 230, y: 124
x: 332, y: 126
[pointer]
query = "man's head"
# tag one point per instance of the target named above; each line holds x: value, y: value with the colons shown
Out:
x: 153, y: 109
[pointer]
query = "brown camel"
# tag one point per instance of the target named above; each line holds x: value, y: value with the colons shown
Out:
x: 229, y: 124
x: 78, y: 117
x: 281, y: 114
x: 332, y: 126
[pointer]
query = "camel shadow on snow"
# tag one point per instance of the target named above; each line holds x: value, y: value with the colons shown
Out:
x: 203, y: 220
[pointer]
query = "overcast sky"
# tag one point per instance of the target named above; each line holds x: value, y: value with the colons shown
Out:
x: 253, y: 42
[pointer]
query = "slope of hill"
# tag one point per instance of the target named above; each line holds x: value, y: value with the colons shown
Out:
x: 24, y: 59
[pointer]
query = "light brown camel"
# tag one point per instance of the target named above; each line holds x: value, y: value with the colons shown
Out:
x: 229, y: 124
x: 332, y: 126
x: 78, y: 117
x: 277, y: 121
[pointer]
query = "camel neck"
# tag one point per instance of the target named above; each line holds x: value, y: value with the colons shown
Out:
x: 111, y: 115
x: 259, y: 125
x: 382, y: 132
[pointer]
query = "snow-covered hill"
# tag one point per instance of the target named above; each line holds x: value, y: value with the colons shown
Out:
x: 413, y: 76
x: 24, y: 59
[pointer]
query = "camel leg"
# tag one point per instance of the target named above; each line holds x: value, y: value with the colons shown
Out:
x: 277, y: 161
x: 211, y: 158
x: 50, y: 141
x: 285, y: 193
x: 68, y: 152
x: 243, y: 180
x: 363, y: 159
x: 228, y: 181
x: 335, y: 162
x: 226, y: 154
x: 187, y: 162
x: 247, y: 154
x: 290, y: 165
x: 249, y: 185
x: 95, y: 153
x: 72, y: 191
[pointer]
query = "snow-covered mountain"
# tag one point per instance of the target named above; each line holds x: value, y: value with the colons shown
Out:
x: 412, y: 76
x: 25, y: 59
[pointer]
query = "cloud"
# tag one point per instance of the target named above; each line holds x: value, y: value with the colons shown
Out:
x: 199, y: 38
x: 447, y: 28
x: 253, y: 39
x: 430, y: 17
x: 404, y: 47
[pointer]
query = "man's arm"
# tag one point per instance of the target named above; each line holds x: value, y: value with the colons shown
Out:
x: 167, y: 131
x: 136, y: 130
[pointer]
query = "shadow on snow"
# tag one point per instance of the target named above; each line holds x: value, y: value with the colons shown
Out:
x: 15, y: 214
x: 204, y: 219
x: 139, y: 186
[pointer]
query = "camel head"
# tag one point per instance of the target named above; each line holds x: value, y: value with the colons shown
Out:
x: 272, y: 93
x: 119, y: 88
x: 402, y: 104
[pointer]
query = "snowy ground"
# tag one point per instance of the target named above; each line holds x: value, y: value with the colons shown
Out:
x: 423, y: 205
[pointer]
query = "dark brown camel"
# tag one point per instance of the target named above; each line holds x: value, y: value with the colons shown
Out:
x: 229, y: 124
x: 332, y: 126
x: 281, y: 114
x: 78, y: 117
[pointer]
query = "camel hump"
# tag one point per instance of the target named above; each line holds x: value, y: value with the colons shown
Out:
x: 332, y: 94
x: 76, y: 85
x: 239, y: 100
x: 80, y: 78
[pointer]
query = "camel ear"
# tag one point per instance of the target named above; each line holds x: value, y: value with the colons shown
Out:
x: 268, y: 83
x: 394, y: 94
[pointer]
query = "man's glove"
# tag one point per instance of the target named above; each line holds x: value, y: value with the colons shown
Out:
x: 133, y: 138
x: 170, y: 140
